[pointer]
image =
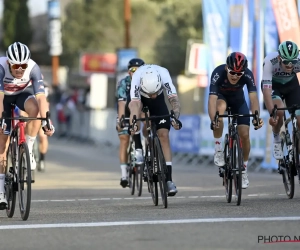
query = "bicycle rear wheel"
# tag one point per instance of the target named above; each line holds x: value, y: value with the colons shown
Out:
x: 237, y: 163
x: 24, y: 181
x: 10, y: 177
x: 285, y: 169
x: 161, y: 171
x: 227, y: 177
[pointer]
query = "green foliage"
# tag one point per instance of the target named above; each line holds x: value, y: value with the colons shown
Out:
x: 159, y: 29
x: 16, y: 23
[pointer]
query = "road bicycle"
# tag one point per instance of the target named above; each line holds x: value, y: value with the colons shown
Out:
x: 134, y: 171
x: 233, y: 154
x: 289, y: 167
x: 18, y: 176
x: 154, y: 162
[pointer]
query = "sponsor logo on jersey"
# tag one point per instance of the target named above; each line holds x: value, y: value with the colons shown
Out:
x: 274, y: 61
x: 162, y: 121
x: 168, y: 88
x: 215, y: 78
x: 284, y: 74
x: 136, y: 92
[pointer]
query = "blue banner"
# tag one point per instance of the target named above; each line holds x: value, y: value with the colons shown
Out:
x: 250, y: 33
x: 271, y: 33
x: 215, y: 20
x: 236, y: 24
x: 186, y: 140
x: 124, y: 56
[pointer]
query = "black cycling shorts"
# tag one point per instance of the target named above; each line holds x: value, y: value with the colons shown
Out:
x: 237, y: 107
x: 18, y: 100
x: 158, y: 107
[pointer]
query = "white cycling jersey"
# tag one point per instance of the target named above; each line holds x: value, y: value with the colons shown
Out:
x: 273, y: 71
x: 135, y: 90
x: 13, y: 86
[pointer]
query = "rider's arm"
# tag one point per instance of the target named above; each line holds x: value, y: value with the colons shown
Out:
x: 267, y: 84
x: 122, y: 97
x: 39, y: 90
x: 135, y: 104
x: 251, y: 86
x: 213, y: 94
x: 170, y: 90
x: 2, y: 74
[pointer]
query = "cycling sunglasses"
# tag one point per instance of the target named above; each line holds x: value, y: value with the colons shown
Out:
x: 233, y: 73
x: 133, y: 69
x: 17, y: 66
x: 289, y: 62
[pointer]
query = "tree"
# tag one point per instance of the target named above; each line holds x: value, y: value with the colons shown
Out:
x: 16, y: 23
x: 23, y: 30
x: 183, y: 21
x: 9, y: 22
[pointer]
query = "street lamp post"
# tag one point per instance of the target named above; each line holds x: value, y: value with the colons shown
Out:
x: 127, y: 17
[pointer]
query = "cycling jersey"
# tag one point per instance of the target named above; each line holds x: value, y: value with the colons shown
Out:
x: 123, y: 88
x: 13, y: 86
x: 136, y: 91
x: 219, y: 84
x: 232, y: 94
x: 274, y: 73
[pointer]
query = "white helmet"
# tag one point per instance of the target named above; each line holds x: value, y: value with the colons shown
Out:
x: 18, y: 53
x: 150, y: 80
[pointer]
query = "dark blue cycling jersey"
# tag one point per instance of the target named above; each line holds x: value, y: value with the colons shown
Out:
x: 220, y: 85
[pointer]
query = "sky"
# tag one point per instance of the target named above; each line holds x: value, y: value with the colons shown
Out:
x: 36, y: 7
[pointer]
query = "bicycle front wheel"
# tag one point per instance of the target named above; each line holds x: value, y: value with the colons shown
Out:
x: 237, y: 163
x: 161, y: 172
x: 10, y: 177
x: 227, y: 176
x: 285, y: 169
x: 24, y: 181
x: 139, y: 171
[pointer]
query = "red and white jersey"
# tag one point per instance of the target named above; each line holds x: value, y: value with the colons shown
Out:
x: 13, y: 86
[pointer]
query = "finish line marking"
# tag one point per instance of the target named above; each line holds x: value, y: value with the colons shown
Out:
x: 154, y: 222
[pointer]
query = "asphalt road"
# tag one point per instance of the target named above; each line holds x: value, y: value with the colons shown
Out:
x: 78, y: 204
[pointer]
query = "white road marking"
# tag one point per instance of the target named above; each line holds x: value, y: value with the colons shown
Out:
x: 146, y: 198
x: 154, y: 222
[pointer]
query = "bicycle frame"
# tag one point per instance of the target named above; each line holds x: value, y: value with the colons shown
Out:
x: 18, y: 125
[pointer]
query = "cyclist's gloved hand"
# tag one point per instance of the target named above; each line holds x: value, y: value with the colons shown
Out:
x: 213, y: 125
x: 48, y: 131
x: 176, y: 125
x: 2, y: 128
x: 259, y: 125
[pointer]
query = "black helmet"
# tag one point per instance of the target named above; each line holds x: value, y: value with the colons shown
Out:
x: 135, y: 62
x: 237, y: 62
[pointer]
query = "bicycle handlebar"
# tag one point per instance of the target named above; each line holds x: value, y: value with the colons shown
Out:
x: 255, y: 116
x: 151, y: 118
x: 47, y: 119
x: 292, y: 109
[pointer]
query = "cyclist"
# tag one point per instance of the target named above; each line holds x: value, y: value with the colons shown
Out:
x: 280, y: 82
x: 20, y: 84
x: 147, y: 85
x: 42, y: 146
x: 123, y: 91
x: 226, y: 90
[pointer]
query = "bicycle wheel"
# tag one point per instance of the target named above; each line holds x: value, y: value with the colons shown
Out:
x: 131, y: 170
x: 237, y: 163
x: 151, y: 177
x: 285, y: 169
x: 36, y: 153
x: 10, y: 177
x: 227, y: 177
x: 296, y: 154
x: 161, y: 170
x: 139, y: 171
x: 24, y: 181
